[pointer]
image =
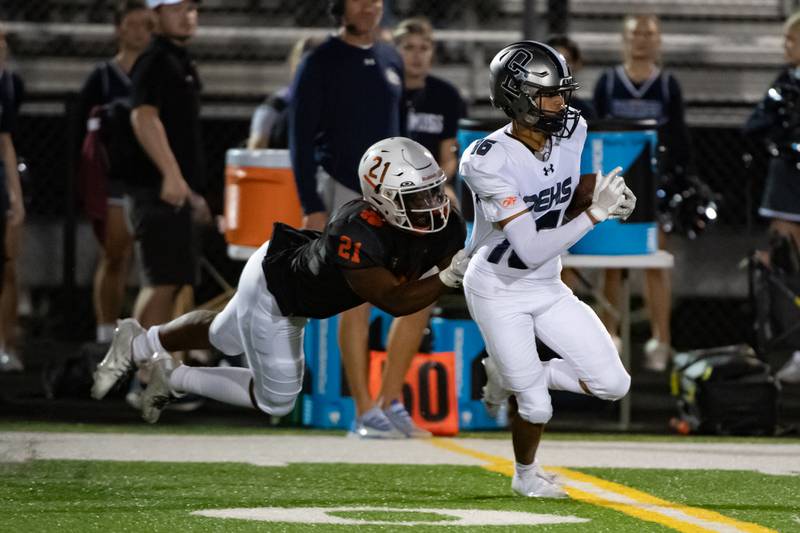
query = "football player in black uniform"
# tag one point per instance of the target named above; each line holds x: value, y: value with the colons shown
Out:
x: 385, y: 249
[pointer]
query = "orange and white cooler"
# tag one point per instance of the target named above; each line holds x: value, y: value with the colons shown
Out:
x: 259, y: 191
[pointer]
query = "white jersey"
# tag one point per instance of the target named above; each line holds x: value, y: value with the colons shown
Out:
x: 505, y: 177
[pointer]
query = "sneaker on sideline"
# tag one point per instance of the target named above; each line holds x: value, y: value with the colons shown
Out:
x: 402, y: 421
x: 374, y: 425
x: 656, y: 355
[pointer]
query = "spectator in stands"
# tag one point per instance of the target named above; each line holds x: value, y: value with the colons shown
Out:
x: 346, y: 96
x: 639, y: 89
x: 108, y: 82
x: 269, y: 127
x: 167, y: 177
x: 432, y: 110
x: 11, y: 202
x: 777, y: 121
x: 572, y: 53
x: 433, y: 106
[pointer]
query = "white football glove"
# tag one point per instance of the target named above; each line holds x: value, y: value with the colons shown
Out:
x: 454, y: 274
x: 626, y: 207
x: 607, y: 195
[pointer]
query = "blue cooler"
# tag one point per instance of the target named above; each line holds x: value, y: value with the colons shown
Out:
x: 635, y: 152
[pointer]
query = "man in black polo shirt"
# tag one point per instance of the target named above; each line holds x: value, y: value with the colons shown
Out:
x: 167, y: 178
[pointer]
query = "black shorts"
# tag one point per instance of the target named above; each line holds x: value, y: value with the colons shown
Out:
x: 165, y: 239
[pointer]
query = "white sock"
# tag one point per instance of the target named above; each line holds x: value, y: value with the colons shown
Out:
x: 144, y: 346
x: 229, y: 385
x: 524, y: 470
x: 142, y: 351
x: 105, y: 332
x: 154, y: 340
x: 561, y: 376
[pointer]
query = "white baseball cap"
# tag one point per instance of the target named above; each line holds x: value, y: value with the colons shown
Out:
x: 152, y: 4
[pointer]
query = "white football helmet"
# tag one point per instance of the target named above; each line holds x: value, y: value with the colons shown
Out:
x: 402, y: 180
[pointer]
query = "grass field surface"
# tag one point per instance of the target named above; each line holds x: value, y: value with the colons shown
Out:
x: 275, y: 480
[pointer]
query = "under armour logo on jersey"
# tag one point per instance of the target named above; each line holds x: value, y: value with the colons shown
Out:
x: 548, y: 170
x: 369, y: 61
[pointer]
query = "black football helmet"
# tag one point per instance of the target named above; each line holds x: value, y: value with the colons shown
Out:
x: 520, y: 74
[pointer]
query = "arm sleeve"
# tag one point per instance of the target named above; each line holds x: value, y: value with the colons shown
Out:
x: 536, y: 247
x: 305, y: 122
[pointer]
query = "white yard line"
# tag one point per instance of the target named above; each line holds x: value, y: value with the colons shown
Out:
x: 273, y: 450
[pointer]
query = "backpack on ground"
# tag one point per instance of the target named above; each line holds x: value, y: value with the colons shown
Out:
x: 725, y: 391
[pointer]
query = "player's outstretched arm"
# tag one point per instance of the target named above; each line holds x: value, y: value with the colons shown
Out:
x: 398, y: 297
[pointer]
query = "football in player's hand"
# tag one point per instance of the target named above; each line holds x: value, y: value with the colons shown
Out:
x: 582, y: 198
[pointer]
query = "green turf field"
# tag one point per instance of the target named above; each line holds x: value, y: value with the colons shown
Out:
x: 122, y: 496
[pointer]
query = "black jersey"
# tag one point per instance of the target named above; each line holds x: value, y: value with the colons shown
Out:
x: 304, y: 269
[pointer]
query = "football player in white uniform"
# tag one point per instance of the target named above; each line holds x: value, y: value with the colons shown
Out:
x: 524, y: 179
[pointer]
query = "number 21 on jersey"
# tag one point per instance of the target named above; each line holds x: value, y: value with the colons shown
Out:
x: 349, y: 250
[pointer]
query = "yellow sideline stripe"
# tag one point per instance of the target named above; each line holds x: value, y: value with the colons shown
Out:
x: 506, y: 467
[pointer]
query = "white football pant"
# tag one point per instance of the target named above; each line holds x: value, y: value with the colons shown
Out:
x: 251, y: 323
x: 512, y: 313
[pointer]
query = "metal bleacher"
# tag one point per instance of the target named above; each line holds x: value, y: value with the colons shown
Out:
x: 724, y: 52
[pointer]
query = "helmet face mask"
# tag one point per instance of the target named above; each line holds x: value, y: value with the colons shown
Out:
x: 522, y: 75
x: 402, y: 181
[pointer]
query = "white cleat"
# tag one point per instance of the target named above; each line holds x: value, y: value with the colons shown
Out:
x: 119, y: 358
x: 374, y: 425
x: 158, y: 393
x: 541, y: 472
x: 402, y: 421
x: 533, y: 485
x: 495, y: 396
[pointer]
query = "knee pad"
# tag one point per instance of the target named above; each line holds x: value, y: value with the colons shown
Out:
x: 275, y: 409
x: 277, y: 386
x: 534, y: 407
x: 611, y: 385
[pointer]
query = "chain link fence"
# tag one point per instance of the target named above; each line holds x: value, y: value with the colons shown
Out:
x: 724, y: 53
